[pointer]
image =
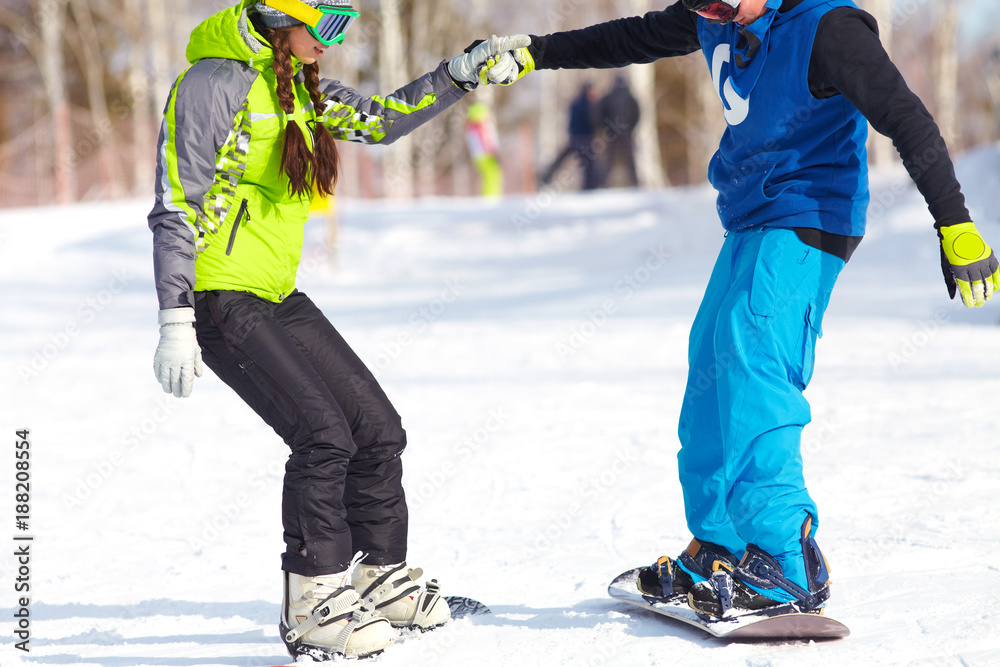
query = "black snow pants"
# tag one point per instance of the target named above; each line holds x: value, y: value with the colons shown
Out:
x: 343, y: 488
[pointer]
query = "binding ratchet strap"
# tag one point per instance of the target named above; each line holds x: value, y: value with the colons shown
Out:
x: 665, y: 572
x: 426, y: 602
x: 325, y: 612
x: 723, y: 585
x: 357, y: 618
x: 383, y: 590
x: 766, y: 571
x: 719, y: 565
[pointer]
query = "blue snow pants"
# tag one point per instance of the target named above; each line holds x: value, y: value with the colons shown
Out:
x: 750, y: 357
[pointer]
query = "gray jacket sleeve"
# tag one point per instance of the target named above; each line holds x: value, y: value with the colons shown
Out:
x: 197, y: 121
x: 382, y: 120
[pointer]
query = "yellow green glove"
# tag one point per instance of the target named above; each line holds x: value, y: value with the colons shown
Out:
x: 968, y: 264
x: 472, y: 68
x: 514, y: 64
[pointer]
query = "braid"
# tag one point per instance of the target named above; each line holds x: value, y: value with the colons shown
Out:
x: 283, y: 70
x: 296, y: 158
x: 326, y: 158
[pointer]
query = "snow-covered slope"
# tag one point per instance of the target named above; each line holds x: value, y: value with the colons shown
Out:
x: 536, y: 350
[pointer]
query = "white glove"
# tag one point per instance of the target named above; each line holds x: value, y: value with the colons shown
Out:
x: 512, y: 65
x: 177, y: 360
x: 469, y: 69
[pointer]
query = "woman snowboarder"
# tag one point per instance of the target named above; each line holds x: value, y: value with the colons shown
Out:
x: 248, y: 133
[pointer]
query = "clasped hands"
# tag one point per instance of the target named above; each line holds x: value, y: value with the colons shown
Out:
x: 497, y: 60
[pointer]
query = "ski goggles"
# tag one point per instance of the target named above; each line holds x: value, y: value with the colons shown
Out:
x: 327, y: 24
x: 714, y: 10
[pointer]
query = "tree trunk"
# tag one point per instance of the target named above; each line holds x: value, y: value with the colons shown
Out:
x: 345, y: 66
x: 946, y: 71
x: 52, y: 22
x: 93, y: 67
x: 703, y: 107
x: 647, y: 140
x: 143, y: 158
x: 159, y: 31
x: 397, y: 163
x: 880, y: 149
x: 423, y: 145
x: 553, y: 100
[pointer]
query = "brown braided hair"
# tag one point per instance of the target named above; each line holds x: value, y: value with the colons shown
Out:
x: 303, y: 167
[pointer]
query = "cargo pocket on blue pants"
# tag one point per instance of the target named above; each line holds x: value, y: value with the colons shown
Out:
x: 764, y: 284
x: 812, y: 329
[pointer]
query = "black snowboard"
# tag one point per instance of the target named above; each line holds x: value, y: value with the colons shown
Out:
x: 464, y: 607
x: 780, y: 622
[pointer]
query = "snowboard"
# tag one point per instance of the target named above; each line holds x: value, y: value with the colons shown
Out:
x: 462, y: 607
x: 774, y: 623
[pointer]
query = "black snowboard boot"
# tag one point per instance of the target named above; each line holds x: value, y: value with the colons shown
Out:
x: 758, y: 582
x: 723, y: 592
x: 669, y: 577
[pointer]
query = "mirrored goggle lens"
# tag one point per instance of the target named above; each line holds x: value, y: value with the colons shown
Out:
x: 717, y: 11
x: 333, y: 25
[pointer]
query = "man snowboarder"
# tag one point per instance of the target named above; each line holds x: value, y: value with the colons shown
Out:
x: 798, y: 79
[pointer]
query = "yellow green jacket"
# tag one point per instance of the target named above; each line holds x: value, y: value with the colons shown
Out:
x: 223, y: 218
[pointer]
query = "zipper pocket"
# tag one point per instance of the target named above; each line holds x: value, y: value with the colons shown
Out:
x: 236, y: 225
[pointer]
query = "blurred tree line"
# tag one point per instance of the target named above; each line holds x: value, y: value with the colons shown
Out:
x: 84, y: 82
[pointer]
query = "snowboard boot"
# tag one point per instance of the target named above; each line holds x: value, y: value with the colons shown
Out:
x: 322, y: 617
x: 758, y: 582
x: 391, y: 591
x: 668, y: 577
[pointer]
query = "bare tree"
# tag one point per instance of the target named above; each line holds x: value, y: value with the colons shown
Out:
x: 647, y: 142
x: 880, y: 149
x: 116, y: 59
x: 159, y: 48
x: 139, y: 90
x: 51, y: 20
x: 92, y: 63
x: 397, y: 165
x: 992, y: 69
x: 703, y: 124
x: 945, y: 71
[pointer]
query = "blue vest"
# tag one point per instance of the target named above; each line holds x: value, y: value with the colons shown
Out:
x: 786, y: 158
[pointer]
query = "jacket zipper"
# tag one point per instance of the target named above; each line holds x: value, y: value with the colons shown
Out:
x: 236, y: 225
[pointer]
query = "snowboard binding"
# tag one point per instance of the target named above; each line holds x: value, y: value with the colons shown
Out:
x: 759, y: 582
x: 668, y: 577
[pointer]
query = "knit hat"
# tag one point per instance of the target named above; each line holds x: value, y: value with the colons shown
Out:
x: 275, y: 18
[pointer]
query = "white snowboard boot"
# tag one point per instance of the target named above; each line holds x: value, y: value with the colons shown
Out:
x: 323, y: 616
x: 390, y: 591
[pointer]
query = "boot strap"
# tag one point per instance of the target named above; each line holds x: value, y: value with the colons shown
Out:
x: 358, y: 618
x: 426, y: 602
x: 760, y: 569
x: 665, y: 573
x: 327, y: 611
x: 384, y: 591
x: 722, y: 582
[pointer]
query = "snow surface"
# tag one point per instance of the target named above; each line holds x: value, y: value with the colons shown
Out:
x: 536, y: 350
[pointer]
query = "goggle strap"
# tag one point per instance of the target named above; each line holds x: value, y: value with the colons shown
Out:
x: 297, y: 10
x: 696, y: 6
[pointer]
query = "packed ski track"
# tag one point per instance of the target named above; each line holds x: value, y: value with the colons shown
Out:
x: 536, y: 349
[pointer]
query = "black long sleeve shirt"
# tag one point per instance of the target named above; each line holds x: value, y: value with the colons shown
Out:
x: 847, y: 59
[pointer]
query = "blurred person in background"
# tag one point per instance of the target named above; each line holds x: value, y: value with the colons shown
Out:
x: 581, y: 140
x: 617, y: 115
x: 484, y: 149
